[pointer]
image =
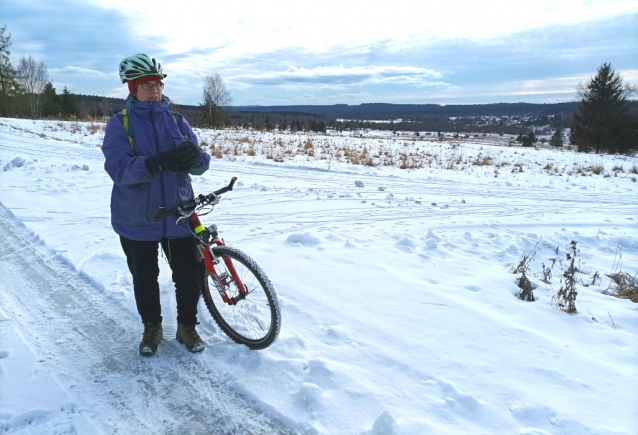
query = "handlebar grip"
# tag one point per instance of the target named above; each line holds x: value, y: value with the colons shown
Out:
x: 227, y: 188
x: 160, y: 214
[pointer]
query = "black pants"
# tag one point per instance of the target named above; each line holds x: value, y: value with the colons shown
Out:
x: 141, y: 257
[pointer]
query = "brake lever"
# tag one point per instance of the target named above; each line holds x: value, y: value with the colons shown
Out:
x: 184, y: 214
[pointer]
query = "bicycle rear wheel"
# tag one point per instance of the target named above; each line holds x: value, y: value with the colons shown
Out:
x: 254, y: 320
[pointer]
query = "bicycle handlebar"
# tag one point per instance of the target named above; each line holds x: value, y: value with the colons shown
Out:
x: 227, y: 188
x: 189, y: 207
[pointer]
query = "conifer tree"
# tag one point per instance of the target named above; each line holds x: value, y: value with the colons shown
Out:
x: 50, y: 102
x: 8, y: 84
x: 602, y: 121
x: 557, y: 138
x: 69, y: 107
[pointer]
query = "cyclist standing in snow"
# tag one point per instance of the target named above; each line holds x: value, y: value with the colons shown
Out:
x: 150, y: 153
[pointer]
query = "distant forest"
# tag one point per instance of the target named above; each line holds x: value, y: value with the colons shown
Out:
x: 502, y: 118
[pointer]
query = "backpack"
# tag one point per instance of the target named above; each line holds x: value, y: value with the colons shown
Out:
x: 123, y: 115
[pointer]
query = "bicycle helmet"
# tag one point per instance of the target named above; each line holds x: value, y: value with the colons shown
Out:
x: 140, y: 65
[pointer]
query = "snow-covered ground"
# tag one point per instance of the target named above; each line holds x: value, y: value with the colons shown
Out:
x: 399, y: 306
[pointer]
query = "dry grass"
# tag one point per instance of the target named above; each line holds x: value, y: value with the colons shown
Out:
x: 627, y: 286
x: 245, y: 140
x: 398, y: 151
x: 94, y: 128
x: 485, y: 161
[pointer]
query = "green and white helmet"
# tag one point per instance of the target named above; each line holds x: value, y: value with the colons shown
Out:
x: 140, y: 65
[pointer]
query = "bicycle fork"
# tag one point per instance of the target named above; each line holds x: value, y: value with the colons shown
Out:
x: 223, y: 281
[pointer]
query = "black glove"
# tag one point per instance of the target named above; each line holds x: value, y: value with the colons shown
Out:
x: 189, y: 154
x: 165, y: 161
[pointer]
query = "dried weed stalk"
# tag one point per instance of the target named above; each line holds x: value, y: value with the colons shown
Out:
x: 565, y: 298
x: 523, y: 282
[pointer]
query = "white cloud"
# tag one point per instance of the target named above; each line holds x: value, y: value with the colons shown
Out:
x: 338, y: 76
x: 254, y: 27
x: 360, y: 96
x: 78, y: 71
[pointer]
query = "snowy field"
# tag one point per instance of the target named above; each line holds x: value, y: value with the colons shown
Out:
x: 399, y: 304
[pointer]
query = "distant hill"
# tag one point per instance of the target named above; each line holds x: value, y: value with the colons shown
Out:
x: 384, y: 111
x: 502, y: 118
x: 379, y: 111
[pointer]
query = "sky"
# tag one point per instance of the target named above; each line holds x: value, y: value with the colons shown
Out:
x: 333, y: 52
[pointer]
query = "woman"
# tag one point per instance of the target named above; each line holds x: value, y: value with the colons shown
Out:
x: 149, y: 154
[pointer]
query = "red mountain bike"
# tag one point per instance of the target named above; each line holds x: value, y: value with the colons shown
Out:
x: 243, y: 301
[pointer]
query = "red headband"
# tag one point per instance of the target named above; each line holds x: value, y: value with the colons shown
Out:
x: 133, y: 84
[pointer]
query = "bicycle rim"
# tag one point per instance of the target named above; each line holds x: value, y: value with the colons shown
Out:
x: 254, y: 321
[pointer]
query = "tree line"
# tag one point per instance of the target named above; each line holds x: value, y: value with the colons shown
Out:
x: 25, y: 90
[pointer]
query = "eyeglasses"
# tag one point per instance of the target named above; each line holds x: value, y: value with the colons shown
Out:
x: 148, y: 86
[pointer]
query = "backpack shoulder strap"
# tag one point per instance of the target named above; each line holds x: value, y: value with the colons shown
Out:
x: 177, y: 117
x: 123, y: 115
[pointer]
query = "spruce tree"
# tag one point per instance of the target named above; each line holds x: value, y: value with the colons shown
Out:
x: 557, y: 138
x: 69, y: 107
x: 602, y: 121
x: 50, y: 102
x: 8, y: 84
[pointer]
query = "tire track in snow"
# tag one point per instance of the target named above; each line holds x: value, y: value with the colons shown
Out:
x: 16, y: 144
x: 90, y: 343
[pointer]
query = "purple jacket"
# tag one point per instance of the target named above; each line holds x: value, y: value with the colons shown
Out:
x: 136, y: 193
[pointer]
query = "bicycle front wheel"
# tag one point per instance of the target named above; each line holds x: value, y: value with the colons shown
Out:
x: 254, y: 319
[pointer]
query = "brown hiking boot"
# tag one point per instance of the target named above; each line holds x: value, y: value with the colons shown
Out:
x: 151, y: 339
x: 187, y: 335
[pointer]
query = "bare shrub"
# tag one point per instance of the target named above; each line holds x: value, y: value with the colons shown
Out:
x: 634, y: 170
x: 522, y: 270
x: 597, y: 169
x: 546, y: 274
x: 595, y: 277
x: 565, y: 298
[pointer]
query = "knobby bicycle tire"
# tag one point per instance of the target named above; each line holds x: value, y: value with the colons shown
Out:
x: 254, y: 321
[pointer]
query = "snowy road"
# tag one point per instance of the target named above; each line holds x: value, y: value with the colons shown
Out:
x: 81, y: 335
